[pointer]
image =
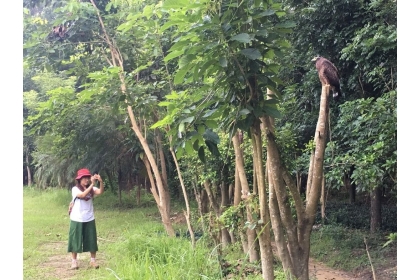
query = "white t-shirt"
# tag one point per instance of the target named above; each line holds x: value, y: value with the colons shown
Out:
x: 82, y: 209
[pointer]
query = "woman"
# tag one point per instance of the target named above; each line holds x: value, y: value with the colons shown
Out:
x: 82, y: 233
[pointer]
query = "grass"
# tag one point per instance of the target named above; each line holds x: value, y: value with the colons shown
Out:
x: 133, y: 243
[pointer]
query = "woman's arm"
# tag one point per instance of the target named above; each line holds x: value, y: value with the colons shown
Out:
x: 101, y: 185
x: 86, y: 192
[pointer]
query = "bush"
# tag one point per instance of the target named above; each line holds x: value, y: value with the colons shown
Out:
x: 357, y: 216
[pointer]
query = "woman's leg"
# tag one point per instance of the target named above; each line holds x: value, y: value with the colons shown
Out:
x: 75, y: 242
x: 93, y: 260
x: 74, y: 264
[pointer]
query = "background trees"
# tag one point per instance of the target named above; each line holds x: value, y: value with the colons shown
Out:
x: 185, y: 78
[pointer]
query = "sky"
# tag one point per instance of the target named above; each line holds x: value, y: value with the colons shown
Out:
x: 11, y: 205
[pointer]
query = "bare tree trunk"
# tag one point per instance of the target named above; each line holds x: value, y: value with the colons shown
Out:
x: 298, y: 237
x: 278, y: 230
x: 199, y: 199
x: 322, y: 199
x: 246, y: 195
x: 316, y: 167
x: 28, y: 169
x: 213, y: 204
x: 187, y: 204
x: 236, y: 201
x: 224, y: 204
x: 264, y: 239
x: 351, y: 188
x: 375, y: 210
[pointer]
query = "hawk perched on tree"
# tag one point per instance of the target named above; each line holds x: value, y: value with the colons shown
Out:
x: 328, y: 74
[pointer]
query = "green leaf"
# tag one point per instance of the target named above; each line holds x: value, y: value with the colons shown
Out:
x: 243, y: 38
x: 173, y: 54
x: 189, y: 147
x: 201, y: 154
x: 223, y: 61
x: 188, y: 120
x: 201, y: 129
x: 181, y: 127
x: 212, y: 148
x: 268, y: 12
x: 251, y: 53
x: 179, y: 153
x: 108, y: 6
x: 211, y: 136
x: 180, y: 74
x: 286, y: 24
x: 211, y: 124
x: 185, y: 60
x: 272, y: 112
x: 195, y: 145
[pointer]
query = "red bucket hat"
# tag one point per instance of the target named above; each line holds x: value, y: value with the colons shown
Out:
x: 84, y: 172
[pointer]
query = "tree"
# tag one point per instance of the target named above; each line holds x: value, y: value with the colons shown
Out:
x: 370, y: 148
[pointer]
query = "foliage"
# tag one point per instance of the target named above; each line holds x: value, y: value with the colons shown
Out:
x: 357, y: 216
x: 368, y: 143
x: 392, y: 238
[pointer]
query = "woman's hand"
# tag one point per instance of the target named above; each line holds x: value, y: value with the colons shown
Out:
x: 93, y: 179
x: 98, y: 177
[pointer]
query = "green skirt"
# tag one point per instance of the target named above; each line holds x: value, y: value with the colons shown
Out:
x: 82, y: 237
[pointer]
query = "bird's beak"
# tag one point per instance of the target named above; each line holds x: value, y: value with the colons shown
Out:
x: 314, y: 59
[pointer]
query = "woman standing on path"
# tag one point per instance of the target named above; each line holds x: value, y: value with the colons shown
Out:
x: 82, y: 233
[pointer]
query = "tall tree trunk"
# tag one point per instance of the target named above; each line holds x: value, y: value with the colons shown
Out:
x: 315, y: 177
x: 375, y: 210
x: 164, y: 200
x: 351, y: 188
x: 298, y: 237
x: 28, y: 169
x: 187, y: 204
x: 236, y: 202
x: 264, y: 238
x: 199, y: 199
x: 322, y: 200
x: 223, y: 205
x: 246, y: 196
x: 278, y: 229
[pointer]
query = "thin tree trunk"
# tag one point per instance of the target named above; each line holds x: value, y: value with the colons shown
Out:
x: 187, y: 204
x: 236, y: 200
x: 224, y: 204
x: 322, y: 199
x: 375, y: 210
x: 264, y: 238
x: 351, y: 188
x: 246, y: 195
x: 28, y: 169
x: 198, y: 197
x: 316, y: 167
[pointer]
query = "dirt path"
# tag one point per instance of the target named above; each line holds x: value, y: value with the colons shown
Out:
x: 321, y: 272
x: 58, y: 264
